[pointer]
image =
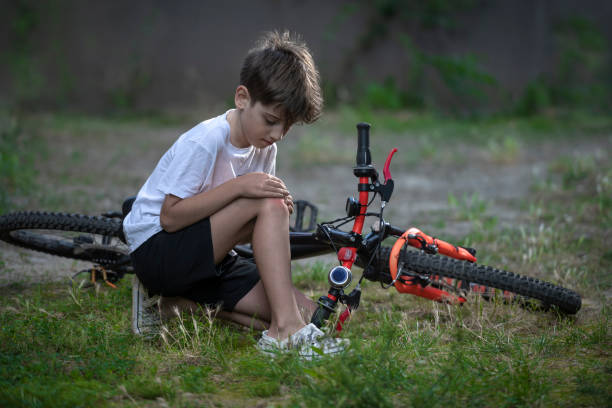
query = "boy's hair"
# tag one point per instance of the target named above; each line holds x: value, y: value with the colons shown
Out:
x: 280, y: 70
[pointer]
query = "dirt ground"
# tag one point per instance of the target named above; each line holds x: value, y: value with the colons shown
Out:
x: 89, y: 167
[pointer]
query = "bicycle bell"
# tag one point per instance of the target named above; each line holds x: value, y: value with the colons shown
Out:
x: 340, y: 277
x: 352, y: 207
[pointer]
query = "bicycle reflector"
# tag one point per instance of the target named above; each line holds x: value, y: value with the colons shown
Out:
x: 340, y: 277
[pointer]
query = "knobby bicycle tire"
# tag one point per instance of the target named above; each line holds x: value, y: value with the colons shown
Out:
x: 41, y: 231
x: 566, y: 300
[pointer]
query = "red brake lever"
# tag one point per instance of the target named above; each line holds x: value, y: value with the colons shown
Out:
x: 386, y: 171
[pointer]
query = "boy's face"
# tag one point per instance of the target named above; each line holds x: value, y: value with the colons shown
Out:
x: 259, y: 125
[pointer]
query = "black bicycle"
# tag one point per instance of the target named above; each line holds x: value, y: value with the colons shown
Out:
x: 417, y: 263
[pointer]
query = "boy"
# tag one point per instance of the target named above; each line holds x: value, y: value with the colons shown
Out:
x: 215, y: 187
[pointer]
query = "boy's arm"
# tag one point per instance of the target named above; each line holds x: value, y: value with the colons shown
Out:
x: 177, y: 213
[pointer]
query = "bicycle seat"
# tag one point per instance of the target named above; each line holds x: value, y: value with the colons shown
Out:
x: 126, y: 207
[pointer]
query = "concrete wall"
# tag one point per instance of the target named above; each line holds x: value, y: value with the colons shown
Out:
x: 185, y: 54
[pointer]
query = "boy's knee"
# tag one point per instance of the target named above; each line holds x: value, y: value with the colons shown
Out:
x: 274, y: 205
x: 263, y: 205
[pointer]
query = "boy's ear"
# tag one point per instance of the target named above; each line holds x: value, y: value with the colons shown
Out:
x: 242, y: 98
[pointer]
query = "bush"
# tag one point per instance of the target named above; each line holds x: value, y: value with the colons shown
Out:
x: 582, y: 75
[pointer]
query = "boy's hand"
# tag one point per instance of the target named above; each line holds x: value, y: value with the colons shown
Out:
x: 289, y: 203
x: 262, y: 185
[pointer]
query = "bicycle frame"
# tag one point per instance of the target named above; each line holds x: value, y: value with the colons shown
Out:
x: 354, y: 248
x: 415, y: 272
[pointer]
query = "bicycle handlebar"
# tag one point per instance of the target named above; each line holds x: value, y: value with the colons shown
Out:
x: 364, y: 157
x: 354, y: 241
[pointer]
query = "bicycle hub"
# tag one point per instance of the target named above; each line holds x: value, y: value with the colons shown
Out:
x: 340, y: 277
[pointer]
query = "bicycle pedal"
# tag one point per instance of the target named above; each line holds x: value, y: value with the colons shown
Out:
x: 96, y: 275
x: 302, y: 207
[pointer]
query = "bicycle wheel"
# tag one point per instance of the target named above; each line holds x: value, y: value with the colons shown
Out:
x: 521, y: 289
x: 95, y: 239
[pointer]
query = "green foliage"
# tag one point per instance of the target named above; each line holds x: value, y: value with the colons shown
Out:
x: 582, y: 76
x: 382, y: 96
x: 459, y: 84
x: 464, y: 79
x: 28, y: 81
x: 583, y: 51
x: 466, y: 85
x: 437, y: 14
x: 462, y: 75
x: 124, y: 97
x: 440, y: 13
x: 536, y: 98
x: 455, y: 83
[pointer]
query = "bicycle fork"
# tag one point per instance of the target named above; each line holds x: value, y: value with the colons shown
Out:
x: 339, y: 278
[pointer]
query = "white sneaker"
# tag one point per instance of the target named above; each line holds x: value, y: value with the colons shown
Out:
x: 310, y: 342
x: 146, y: 320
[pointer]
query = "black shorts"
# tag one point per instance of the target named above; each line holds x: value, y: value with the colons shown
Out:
x: 182, y: 264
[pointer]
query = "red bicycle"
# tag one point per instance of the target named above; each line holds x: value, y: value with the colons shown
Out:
x: 417, y: 263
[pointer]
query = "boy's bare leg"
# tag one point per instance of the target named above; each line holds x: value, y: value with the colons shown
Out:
x: 244, y: 320
x: 253, y: 300
x: 271, y: 248
x: 170, y: 306
x: 306, y: 305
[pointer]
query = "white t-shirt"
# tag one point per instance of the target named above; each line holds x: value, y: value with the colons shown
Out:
x: 200, y: 160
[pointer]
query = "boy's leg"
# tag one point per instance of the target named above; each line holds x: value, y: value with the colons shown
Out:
x: 306, y: 305
x: 170, y: 306
x: 270, y: 240
x: 256, y: 299
x: 243, y: 314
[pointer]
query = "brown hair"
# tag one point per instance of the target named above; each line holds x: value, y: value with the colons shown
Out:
x: 280, y: 70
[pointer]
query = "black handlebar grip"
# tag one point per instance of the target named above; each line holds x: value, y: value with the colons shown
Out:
x: 363, y: 145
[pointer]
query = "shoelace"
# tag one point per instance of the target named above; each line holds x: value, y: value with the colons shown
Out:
x: 310, y: 338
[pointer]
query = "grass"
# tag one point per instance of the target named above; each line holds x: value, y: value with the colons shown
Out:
x: 429, y: 137
x: 65, y: 347
x: 410, y: 352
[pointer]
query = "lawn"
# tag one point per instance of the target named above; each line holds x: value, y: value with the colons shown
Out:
x: 532, y: 195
